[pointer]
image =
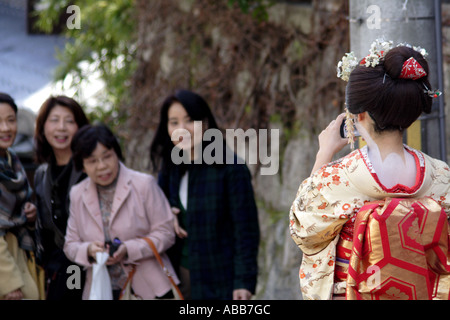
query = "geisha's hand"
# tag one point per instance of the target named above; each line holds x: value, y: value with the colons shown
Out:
x: 330, y: 142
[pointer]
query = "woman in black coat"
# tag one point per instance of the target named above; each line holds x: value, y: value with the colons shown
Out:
x: 217, y: 227
x: 58, y: 120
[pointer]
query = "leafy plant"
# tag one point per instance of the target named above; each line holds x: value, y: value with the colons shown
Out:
x: 105, y: 41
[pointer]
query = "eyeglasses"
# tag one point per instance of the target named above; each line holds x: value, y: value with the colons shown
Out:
x: 93, y: 162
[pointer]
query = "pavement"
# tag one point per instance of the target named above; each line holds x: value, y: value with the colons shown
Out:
x: 27, y: 61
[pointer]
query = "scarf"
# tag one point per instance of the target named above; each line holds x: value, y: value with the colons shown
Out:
x: 15, y: 191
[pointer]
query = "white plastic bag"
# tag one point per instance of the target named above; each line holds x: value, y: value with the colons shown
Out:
x: 101, y: 282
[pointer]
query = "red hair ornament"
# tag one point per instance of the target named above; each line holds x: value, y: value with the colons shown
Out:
x: 412, y: 70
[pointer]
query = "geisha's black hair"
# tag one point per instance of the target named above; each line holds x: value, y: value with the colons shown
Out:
x: 392, y: 102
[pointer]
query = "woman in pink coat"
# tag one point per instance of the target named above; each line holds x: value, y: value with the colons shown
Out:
x: 117, y: 203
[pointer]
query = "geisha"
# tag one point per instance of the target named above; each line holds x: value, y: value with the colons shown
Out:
x: 386, y: 92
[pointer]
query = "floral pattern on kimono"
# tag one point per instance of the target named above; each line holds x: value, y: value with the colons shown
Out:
x: 332, y: 195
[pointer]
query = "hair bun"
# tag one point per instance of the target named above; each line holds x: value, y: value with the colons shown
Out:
x: 395, y: 59
x: 393, y: 101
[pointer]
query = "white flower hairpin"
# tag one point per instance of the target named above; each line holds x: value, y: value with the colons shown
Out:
x: 411, y: 69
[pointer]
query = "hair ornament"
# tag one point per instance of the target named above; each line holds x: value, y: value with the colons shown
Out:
x: 346, y: 66
x: 432, y: 93
x: 411, y: 69
x: 421, y: 50
x: 378, y: 50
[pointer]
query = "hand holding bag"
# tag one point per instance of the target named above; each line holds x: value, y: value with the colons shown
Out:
x: 126, y: 292
x: 101, y: 283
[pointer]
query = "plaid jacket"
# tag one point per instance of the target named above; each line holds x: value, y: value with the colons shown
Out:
x: 222, y: 224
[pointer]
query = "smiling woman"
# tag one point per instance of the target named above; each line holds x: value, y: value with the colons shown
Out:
x: 17, y: 214
x: 8, y: 127
x: 216, y: 218
x: 97, y: 152
x: 59, y: 118
x: 102, y: 165
x: 116, y: 203
x: 59, y: 129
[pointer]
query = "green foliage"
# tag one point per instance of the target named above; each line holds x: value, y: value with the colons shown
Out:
x: 106, y: 40
x: 257, y: 8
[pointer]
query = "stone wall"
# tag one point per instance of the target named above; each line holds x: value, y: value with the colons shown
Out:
x: 278, y: 74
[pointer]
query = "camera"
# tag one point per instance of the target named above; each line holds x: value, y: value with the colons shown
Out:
x: 113, y: 246
x: 344, y: 131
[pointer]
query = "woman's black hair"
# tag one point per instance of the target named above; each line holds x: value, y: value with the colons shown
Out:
x: 197, y: 109
x: 6, y: 98
x: 392, y: 102
x: 44, y: 151
x: 86, y: 139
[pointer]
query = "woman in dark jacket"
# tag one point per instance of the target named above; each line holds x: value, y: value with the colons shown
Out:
x: 217, y: 226
x: 58, y: 120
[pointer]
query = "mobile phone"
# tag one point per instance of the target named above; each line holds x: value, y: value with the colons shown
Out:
x: 343, y: 130
x: 113, y: 246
